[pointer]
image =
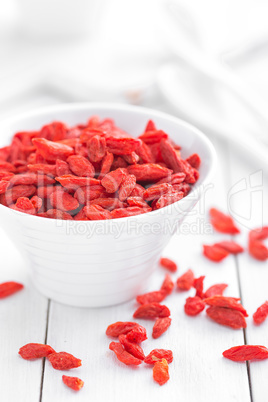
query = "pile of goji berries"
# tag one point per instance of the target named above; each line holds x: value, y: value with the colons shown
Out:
x: 59, y: 361
x: 93, y: 171
x: 224, y: 224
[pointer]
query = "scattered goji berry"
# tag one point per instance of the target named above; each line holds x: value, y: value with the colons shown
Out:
x: 137, y: 334
x: 215, y: 253
x: 215, y: 290
x: 9, y: 288
x: 151, y: 297
x: 73, y: 382
x: 246, y: 352
x: 168, y: 264
x: 35, y: 351
x: 131, y: 347
x: 227, y: 302
x: 199, y: 286
x: 256, y: 248
x: 186, y: 281
x: 160, y: 326
x: 63, y: 361
x: 230, y: 246
x: 194, y: 305
x: 167, y: 285
x: 226, y: 316
x: 222, y: 223
x: 157, y: 354
x: 122, y: 355
x: 261, y: 313
x: 160, y: 372
x: 152, y: 310
x: 119, y: 328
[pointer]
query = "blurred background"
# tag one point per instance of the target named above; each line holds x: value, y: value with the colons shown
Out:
x: 203, y: 60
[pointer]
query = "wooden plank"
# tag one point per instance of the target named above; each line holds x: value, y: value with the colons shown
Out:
x: 23, y: 320
x: 199, y: 372
x: 251, y: 204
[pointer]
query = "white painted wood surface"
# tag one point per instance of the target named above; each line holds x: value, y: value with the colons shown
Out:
x: 198, y: 373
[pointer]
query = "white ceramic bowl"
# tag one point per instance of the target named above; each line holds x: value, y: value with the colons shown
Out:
x: 101, y: 263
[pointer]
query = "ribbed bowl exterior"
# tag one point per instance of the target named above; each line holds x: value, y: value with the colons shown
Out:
x: 100, y: 263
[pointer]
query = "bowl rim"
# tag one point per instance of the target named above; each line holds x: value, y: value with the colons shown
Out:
x: 74, y: 106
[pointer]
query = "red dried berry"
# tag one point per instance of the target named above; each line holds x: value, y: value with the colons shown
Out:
x: 96, y: 148
x: 132, y: 348
x: 186, y: 281
x: 122, y: 355
x: 157, y: 354
x: 156, y: 191
x: 215, y: 290
x: 149, y: 172
x: 226, y: 316
x: 258, y: 250
x: 151, y: 297
x: 57, y: 214
x: 9, y: 288
x: 106, y: 164
x: 95, y: 213
x: 168, y: 199
x: 160, y: 326
x: 130, y: 211
x: 119, y: 328
x: 153, y: 136
x: 63, y: 361
x: 194, y: 160
x: 222, y: 223
x: 261, y: 313
x: 199, y: 286
x: 246, y: 352
x: 214, y: 253
x: 81, y: 166
x: 160, y: 372
x: 62, y: 200
x: 167, y: 285
x: 194, y: 306
x: 168, y: 264
x: 227, y: 302
x: 137, y: 202
x: 230, y: 246
x: 23, y: 204
x: 72, y: 182
x: 112, y: 180
x: 152, y: 310
x: 126, y: 187
x: 35, y: 351
x: 73, y: 382
x: 121, y: 146
x: 52, y: 151
x: 137, y: 334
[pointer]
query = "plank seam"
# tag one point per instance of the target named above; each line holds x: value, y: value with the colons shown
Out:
x: 44, y: 360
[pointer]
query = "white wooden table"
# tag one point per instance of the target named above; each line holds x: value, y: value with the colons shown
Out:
x: 199, y: 372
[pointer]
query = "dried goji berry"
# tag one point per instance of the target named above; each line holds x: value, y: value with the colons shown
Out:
x: 70, y: 181
x: 226, y: 316
x: 137, y: 191
x: 96, y: 213
x: 152, y: 310
x: 37, y: 202
x: 107, y: 203
x: 171, y: 157
x: 122, y: 355
x: 258, y: 250
x: 194, y: 160
x: 151, y: 297
x: 52, y: 151
x: 4, y: 184
x: 199, y: 286
x: 126, y: 187
x: 144, y: 153
x: 62, y: 200
x: 230, y: 246
x: 121, y: 146
x: 150, y: 126
x: 227, y: 302
x: 14, y: 193
x: 35, y: 351
x: 222, y: 223
x: 160, y: 372
x: 261, y: 313
x: 63, y: 361
x: 132, y: 158
x: 130, y: 211
x: 57, y: 214
x: 23, y: 204
x: 158, y: 354
x: 42, y: 168
x: 246, y: 352
x: 112, y: 180
x: 62, y: 168
x: 156, y: 191
x: 7, y: 166
x: 137, y: 334
x: 54, y: 131
x: 194, y: 306
x: 137, y: 202
x: 215, y: 253
x: 168, y: 199
x: 186, y: 281
x: 81, y: 166
x: 131, y: 347
x: 214, y: 290
x: 160, y: 326
x: 106, y: 164
x: 153, y: 136
x: 9, y: 288
x: 167, y: 285
x: 96, y: 148
x: 149, y: 172
x: 73, y: 382
x: 119, y: 328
